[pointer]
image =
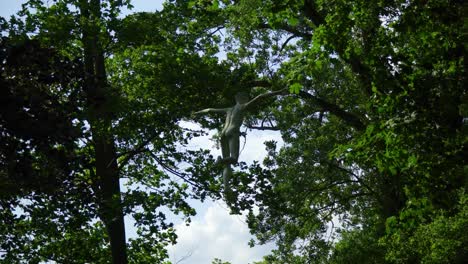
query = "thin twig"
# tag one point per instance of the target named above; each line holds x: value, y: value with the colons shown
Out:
x: 173, y: 171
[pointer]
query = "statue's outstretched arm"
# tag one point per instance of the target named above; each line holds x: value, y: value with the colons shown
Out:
x: 265, y: 95
x: 212, y: 110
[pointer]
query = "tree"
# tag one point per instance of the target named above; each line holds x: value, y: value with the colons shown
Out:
x: 374, y: 135
x: 106, y: 113
x: 374, y: 127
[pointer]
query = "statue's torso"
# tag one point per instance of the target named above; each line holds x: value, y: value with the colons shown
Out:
x: 234, y: 118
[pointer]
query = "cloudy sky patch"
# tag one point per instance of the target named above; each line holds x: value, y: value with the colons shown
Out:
x: 216, y: 234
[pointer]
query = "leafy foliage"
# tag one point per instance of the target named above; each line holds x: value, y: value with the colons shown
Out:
x: 372, y: 170
x: 374, y: 133
x: 34, y: 81
x: 104, y: 109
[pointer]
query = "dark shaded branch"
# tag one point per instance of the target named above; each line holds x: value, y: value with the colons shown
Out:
x: 263, y: 128
x: 310, y: 11
x: 362, y: 72
x: 348, y: 117
x: 286, y: 42
x: 328, y: 185
x: 215, y: 31
x: 336, y: 205
x: 173, y: 171
x: 287, y: 28
x: 130, y: 154
x: 359, y: 180
x: 262, y: 125
x: 259, y: 83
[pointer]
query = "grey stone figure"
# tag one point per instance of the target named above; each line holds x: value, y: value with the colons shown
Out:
x: 231, y: 130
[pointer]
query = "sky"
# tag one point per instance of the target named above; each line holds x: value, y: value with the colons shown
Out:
x: 213, y: 233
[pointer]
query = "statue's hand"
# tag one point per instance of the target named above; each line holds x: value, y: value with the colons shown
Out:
x: 200, y: 112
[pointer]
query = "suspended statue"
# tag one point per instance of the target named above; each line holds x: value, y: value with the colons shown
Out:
x: 231, y: 130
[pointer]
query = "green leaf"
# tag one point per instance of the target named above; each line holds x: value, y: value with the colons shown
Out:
x: 293, y: 21
x: 215, y: 5
x: 412, y: 161
x: 295, y: 88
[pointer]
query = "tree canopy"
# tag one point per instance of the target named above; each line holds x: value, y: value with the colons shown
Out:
x: 373, y: 167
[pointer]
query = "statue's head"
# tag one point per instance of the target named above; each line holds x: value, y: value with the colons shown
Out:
x: 242, y: 97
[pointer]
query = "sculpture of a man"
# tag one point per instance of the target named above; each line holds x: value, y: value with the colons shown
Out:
x: 231, y: 130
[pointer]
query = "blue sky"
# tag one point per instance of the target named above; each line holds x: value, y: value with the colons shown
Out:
x: 9, y: 7
x: 213, y: 233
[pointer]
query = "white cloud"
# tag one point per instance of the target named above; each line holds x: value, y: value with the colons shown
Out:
x: 215, y: 234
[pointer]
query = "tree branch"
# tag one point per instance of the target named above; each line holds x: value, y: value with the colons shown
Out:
x: 287, y: 28
x: 259, y: 83
x: 173, y: 171
x: 131, y: 153
x: 358, y: 179
x: 286, y: 42
x: 310, y: 11
x: 348, y: 117
x: 263, y: 128
x: 215, y: 31
x: 362, y: 72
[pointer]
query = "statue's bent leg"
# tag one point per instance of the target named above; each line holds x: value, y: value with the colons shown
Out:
x: 225, y: 147
x: 227, y: 175
x: 234, y: 147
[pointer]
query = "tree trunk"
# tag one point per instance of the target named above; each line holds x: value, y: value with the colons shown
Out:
x: 99, y: 97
